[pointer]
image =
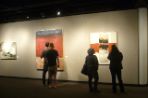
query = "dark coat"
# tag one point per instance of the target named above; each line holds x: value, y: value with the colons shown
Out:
x: 92, y: 63
x: 115, y: 60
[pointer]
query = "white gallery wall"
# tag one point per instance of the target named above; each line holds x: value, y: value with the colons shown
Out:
x: 143, y: 46
x: 76, y: 30
x: 147, y: 50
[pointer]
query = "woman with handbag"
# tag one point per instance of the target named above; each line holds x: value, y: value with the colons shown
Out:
x: 91, y: 63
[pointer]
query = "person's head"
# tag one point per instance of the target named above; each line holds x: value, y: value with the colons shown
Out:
x: 47, y: 44
x: 51, y: 45
x: 91, y: 51
x: 114, y: 48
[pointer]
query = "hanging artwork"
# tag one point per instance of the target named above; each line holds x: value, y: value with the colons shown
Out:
x: 8, y: 50
x: 101, y: 43
x: 54, y: 36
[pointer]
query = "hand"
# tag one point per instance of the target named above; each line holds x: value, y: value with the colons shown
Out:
x: 58, y: 65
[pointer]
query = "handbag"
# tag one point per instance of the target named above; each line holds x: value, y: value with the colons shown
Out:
x: 84, y: 70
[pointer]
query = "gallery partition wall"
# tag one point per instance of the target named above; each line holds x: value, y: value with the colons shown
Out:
x: 124, y: 28
x: 143, y: 46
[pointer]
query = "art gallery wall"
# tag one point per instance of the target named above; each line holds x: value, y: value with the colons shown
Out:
x: 76, y: 30
x: 147, y: 30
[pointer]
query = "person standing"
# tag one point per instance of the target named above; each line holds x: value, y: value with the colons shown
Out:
x: 45, y: 66
x: 115, y: 57
x: 53, y: 63
x: 92, y: 64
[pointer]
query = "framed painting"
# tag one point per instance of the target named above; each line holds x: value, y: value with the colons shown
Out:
x: 54, y: 36
x: 102, y: 42
x: 8, y: 51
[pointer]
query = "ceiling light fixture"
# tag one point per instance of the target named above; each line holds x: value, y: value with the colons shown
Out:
x: 42, y: 15
x: 58, y: 13
x: 27, y: 17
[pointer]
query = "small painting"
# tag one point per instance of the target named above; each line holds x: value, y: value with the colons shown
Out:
x: 8, y: 50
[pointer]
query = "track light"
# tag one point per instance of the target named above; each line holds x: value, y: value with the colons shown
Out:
x: 58, y: 13
x: 27, y: 17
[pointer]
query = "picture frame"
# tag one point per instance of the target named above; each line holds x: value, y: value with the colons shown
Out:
x: 55, y: 36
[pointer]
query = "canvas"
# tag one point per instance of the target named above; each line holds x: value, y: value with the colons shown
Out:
x: 102, y: 42
x: 54, y: 36
x: 8, y: 51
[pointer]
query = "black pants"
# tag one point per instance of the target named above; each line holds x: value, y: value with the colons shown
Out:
x: 45, y: 70
x: 91, y: 76
x: 114, y: 74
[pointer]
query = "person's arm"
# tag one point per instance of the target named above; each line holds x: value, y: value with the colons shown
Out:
x: 42, y: 55
x: 109, y: 56
x: 96, y: 61
x: 121, y: 56
x: 58, y: 62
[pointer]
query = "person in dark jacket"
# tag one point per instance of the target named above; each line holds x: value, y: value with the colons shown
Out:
x: 45, y: 66
x: 115, y: 57
x: 53, y: 63
x: 92, y: 67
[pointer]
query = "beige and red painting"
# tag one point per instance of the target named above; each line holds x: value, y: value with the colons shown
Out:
x: 102, y: 43
x: 54, y: 36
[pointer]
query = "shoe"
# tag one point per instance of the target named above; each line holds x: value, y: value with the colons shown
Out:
x: 54, y: 86
x: 114, y: 92
x: 44, y: 84
x: 50, y: 86
x: 97, y: 91
x: 90, y: 90
x: 123, y: 92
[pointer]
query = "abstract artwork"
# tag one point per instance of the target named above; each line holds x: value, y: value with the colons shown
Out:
x: 8, y: 50
x: 51, y: 36
x: 102, y: 42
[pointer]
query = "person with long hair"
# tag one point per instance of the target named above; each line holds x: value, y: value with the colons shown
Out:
x: 115, y: 57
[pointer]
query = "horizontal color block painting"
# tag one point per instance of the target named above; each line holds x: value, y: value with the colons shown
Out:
x: 54, y: 36
x: 102, y: 42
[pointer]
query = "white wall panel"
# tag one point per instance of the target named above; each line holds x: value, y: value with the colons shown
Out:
x: 76, y: 30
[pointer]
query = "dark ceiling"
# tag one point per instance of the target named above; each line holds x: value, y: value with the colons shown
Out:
x: 19, y: 10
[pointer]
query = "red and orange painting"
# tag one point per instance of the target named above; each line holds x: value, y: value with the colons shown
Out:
x: 54, y: 36
x: 102, y: 43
